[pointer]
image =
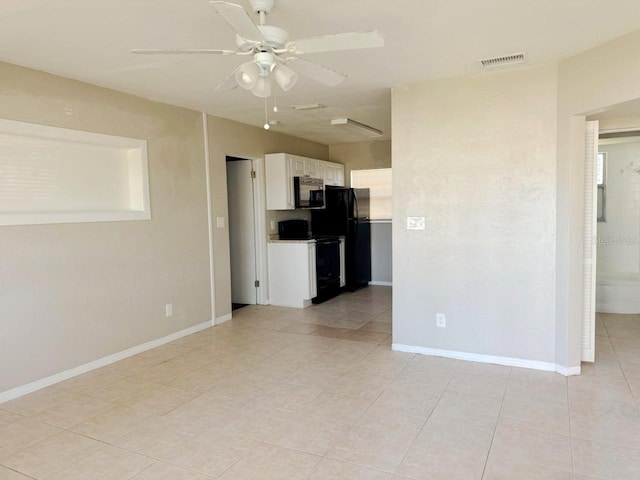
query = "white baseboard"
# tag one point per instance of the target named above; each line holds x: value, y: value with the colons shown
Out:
x: 380, y: 283
x: 477, y: 357
x: 223, y: 318
x: 568, y: 371
x: 620, y: 307
x: 101, y: 362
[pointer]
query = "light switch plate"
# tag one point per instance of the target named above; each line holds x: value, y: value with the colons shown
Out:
x: 415, y: 223
x: 220, y: 222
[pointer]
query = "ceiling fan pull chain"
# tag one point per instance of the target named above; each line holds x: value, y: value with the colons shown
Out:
x: 266, y: 115
x: 275, y: 104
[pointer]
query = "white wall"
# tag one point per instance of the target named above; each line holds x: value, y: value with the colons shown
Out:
x: 476, y: 157
x: 618, y: 237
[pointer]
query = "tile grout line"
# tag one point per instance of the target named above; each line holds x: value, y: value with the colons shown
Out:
x: 570, y: 428
x: 624, y: 374
x: 504, y: 393
x: 17, y: 471
x: 428, y: 416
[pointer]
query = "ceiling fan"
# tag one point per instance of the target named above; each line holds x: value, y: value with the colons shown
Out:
x: 274, y: 55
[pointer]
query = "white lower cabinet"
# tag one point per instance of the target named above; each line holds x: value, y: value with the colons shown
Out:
x: 292, y: 273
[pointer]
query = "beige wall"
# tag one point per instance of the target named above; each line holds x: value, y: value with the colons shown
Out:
x: 476, y: 157
x: 73, y: 293
x: 235, y: 139
x: 363, y: 155
x: 423, y: 142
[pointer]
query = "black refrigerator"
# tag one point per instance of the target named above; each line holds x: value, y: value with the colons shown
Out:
x: 346, y: 213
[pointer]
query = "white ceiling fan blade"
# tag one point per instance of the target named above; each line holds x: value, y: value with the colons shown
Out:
x: 238, y: 18
x: 228, y: 83
x: 316, y: 72
x: 341, y: 41
x: 182, y: 51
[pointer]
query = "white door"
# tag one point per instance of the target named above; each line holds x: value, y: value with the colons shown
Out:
x: 590, y: 247
x: 242, y: 231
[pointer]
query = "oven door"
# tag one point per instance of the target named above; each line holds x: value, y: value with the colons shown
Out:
x: 327, y: 269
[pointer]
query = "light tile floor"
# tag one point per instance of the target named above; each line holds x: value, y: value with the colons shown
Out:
x: 318, y: 394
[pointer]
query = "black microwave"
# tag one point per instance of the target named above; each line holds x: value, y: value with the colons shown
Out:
x: 308, y: 192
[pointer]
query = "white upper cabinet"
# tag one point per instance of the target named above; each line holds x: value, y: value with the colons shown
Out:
x: 282, y: 167
x: 333, y: 174
x: 298, y: 165
x: 279, y: 173
x: 312, y: 168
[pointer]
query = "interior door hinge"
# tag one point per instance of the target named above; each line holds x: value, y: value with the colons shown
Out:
x: 257, y: 283
x: 253, y: 174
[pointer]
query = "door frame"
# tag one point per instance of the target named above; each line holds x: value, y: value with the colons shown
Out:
x: 590, y: 233
x: 260, y: 226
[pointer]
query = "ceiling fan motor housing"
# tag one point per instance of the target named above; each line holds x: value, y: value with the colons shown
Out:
x: 265, y: 61
x: 275, y: 38
x: 262, y: 5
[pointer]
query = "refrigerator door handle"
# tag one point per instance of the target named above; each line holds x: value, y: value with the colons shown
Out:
x: 355, y: 201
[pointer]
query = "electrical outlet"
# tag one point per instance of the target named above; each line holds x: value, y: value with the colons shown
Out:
x: 441, y: 320
x: 273, y: 225
x: 220, y: 222
x: 168, y: 309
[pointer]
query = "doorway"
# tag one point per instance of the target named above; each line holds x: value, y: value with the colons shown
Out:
x: 618, y: 272
x: 242, y: 231
x: 616, y: 215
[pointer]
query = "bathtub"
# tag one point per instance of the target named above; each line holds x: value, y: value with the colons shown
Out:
x: 618, y: 293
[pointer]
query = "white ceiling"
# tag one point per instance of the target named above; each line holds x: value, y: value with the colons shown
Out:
x: 89, y: 40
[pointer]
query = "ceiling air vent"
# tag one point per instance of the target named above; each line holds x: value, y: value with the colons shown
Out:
x: 505, y: 61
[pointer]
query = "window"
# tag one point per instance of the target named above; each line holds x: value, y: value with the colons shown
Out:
x: 601, y: 180
x: 378, y: 181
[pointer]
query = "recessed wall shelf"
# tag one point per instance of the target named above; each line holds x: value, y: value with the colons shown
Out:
x: 58, y: 175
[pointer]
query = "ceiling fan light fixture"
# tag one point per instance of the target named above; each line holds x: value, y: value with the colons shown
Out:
x: 285, y: 77
x: 248, y: 75
x: 262, y: 87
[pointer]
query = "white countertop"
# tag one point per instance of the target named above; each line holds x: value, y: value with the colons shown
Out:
x: 291, y: 241
x: 275, y: 239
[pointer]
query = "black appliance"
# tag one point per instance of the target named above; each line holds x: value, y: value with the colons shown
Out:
x: 293, y: 230
x: 327, y: 268
x: 308, y: 192
x: 346, y: 213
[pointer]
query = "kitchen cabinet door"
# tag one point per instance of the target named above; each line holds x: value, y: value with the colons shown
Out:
x: 279, y: 181
x: 312, y: 168
x: 298, y: 166
x: 333, y: 173
x: 292, y: 273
